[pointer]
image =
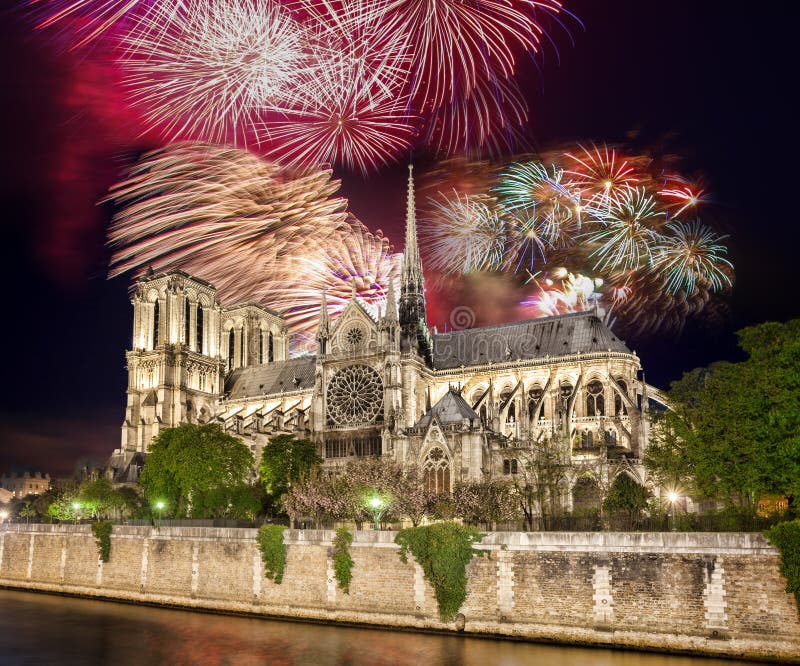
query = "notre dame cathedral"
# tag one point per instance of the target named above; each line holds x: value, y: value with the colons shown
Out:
x: 461, y: 405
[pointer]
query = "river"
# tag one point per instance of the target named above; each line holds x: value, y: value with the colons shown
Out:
x: 40, y: 629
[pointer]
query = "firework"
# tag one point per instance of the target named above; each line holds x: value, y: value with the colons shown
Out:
x: 345, y: 123
x: 455, y: 44
x: 353, y: 261
x: 309, y: 82
x: 229, y: 217
x: 627, y: 233
x: 599, y: 174
x: 464, y: 234
x: 540, y: 195
x: 688, y: 253
x: 211, y: 69
x: 580, y: 217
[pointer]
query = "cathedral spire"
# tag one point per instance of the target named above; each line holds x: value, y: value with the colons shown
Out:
x: 412, y: 278
x: 413, y: 322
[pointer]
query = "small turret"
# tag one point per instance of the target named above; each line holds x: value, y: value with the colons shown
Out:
x: 323, y: 330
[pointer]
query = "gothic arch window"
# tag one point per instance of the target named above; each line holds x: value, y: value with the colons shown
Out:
x: 260, y: 347
x: 535, y: 396
x: 565, y: 393
x: 512, y: 413
x: 187, y: 310
x: 436, y: 471
x: 510, y: 466
x: 156, y: 316
x: 199, y: 323
x: 594, y: 399
x: 271, y: 348
x: 611, y: 438
x: 231, y: 348
x: 484, y: 415
x: 589, y: 439
x: 619, y: 406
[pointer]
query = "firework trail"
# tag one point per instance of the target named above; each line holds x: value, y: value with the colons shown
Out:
x: 239, y: 222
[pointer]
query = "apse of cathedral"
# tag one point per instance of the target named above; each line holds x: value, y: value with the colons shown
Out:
x: 461, y: 405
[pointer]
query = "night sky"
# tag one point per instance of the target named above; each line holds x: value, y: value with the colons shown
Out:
x: 709, y: 80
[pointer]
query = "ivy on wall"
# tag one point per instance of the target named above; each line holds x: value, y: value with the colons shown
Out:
x: 342, y: 562
x: 102, y: 536
x: 786, y: 538
x: 443, y: 550
x: 273, y: 551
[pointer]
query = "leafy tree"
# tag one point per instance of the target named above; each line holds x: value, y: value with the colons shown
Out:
x: 98, y: 498
x: 59, y: 500
x: 198, y: 471
x: 627, y: 499
x: 285, y: 461
x: 24, y: 508
x: 734, y: 430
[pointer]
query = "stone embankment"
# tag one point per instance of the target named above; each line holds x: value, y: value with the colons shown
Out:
x: 716, y: 594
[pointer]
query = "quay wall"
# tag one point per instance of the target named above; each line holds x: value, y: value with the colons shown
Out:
x: 717, y: 594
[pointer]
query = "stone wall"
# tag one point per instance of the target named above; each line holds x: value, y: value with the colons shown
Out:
x: 707, y: 593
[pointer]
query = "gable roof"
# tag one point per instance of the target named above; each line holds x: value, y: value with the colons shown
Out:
x: 450, y: 408
x: 581, y: 332
x: 271, y: 378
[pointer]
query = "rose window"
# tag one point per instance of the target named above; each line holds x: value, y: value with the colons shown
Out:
x: 354, y: 338
x: 355, y: 395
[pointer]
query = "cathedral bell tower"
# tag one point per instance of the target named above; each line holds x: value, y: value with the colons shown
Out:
x: 414, y: 334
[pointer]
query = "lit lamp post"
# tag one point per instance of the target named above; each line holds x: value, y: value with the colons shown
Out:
x: 377, y: 507
x: 3, y: 516
x: 76, y: 507
x: 672, y: 496
x: 159, y: 508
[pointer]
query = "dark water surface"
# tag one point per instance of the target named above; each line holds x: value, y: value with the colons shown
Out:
x: 40, y: 629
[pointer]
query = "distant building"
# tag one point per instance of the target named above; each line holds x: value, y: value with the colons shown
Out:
x: 20, y: 485
x: 460, y: 405
x: 5, y: 496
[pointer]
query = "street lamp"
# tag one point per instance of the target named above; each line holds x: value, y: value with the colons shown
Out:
x: 159, y: 508
x: 377, y: 506
x: 3, y: 515
x: 673, y: 497
x: 76, y: 506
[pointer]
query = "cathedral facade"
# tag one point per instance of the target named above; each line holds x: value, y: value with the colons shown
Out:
x: 461, y: 405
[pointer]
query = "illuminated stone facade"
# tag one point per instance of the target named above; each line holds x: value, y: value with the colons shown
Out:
x: 462, y: 405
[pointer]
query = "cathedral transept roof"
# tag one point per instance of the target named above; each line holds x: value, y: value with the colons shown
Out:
x: 451, y: 408
x: 581, y: 332
x: 272, y: 378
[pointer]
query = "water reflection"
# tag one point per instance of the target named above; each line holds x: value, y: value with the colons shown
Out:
x: 44, y: 629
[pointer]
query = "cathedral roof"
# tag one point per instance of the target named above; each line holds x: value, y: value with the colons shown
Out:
x: 271, y: 378
x: 581, y: 332
x: 451, y: 408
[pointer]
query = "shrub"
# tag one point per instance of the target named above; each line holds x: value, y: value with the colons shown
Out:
x: 342, y: 562
x: 443, y: 550
x: 273, y: 551
x: 786, y: 538
x: 102, y: 536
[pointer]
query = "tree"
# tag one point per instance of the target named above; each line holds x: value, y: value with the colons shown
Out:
x: 285, y: 461
x: 627, y: 499
x: 486, y: 501
x: 543, y: 468
x: 734, y: 430
x: 98, y: 498
x: 197, y: 470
